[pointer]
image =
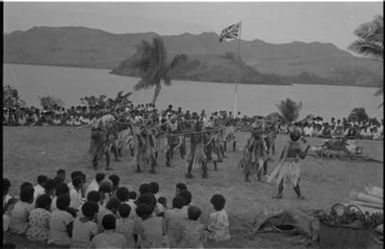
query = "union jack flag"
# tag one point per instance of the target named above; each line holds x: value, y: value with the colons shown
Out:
x: 230, y: 33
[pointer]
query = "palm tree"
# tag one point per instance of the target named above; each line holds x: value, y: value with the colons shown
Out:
x: 371, y: 42
x: 289, y: 110
x: 151, y: 61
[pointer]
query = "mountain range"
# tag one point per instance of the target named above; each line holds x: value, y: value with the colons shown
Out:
x: 208, y: 59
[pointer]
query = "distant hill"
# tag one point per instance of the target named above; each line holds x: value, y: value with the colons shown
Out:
x: 211, y: 68
x: 296, y: 62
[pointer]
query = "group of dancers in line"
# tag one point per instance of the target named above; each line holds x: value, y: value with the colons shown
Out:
x: 147, y: 139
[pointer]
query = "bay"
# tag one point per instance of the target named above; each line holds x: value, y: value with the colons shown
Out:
x: 70, y: 84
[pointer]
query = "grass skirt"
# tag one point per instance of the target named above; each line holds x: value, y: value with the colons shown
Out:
x: 288, y: 171
x: 197, y: 156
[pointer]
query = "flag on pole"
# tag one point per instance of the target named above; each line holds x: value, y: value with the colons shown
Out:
x: 230, y: 33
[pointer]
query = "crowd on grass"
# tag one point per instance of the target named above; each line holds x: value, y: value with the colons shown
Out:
x: 82, y: 115
x: 105, y: 214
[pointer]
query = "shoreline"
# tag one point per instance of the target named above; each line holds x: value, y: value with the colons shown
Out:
x: 217, y: 82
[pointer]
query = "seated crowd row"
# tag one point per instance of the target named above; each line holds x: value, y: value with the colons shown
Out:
x: 107, y: 215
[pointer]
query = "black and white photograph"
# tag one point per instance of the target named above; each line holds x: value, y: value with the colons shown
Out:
x: 254, y: 124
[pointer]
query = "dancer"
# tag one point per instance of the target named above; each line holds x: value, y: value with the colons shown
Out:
x: 172, y: 139
x: 99, y: 146
x: 145, y: 152
x: 211, y: 148
x: 268, y: 152
x: 197, y: 154
x: 229, y: 136
x: 288, y: 170
x: 252, y: 160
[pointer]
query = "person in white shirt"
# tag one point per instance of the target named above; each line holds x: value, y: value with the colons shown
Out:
x: 39, y: 189
x: 75, y: 193
x: 308, y: 130
x: 94, y: 185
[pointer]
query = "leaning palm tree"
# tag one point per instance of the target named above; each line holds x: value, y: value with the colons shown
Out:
x: 370, y: 42
x: 151, y: 61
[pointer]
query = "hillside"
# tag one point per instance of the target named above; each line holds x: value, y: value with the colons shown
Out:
x: 321, y: 63
x: 211, y: 68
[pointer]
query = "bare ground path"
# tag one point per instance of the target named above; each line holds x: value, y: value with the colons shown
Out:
x: 30, y: 151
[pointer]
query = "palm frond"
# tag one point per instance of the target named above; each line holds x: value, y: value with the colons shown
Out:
x: 371, y: 39
x: 371, y: 30
x: 368, y: 48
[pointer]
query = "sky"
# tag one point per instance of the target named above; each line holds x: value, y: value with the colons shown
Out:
x: 271, y: 22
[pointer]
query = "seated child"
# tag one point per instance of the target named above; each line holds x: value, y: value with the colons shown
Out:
x: 187, y: 200
x: 85, y: 228
x: 39, y: 188
x: 162, y: 206
x: 60, y: 223
x: 61, y: 188
x: 8, y: 200
x: 109, y: 238
x: 20, y: 213
x: 173, y: 221
x: 148, y: 232
x: 122, y: 194
x: 218, y: 222
x: 111, y: 208
x: 39, y: 219
x: 192, y: 232
x: 115, y: 183
x: 125, y: 224
x: 131, y: 202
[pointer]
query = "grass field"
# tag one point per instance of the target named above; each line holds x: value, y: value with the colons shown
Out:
x: 30, y: 151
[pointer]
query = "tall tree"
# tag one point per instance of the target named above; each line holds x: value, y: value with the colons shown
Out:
x: 11, y: 98
x: 151, y: 61
x: 370, y: 42
x: 289, y: 110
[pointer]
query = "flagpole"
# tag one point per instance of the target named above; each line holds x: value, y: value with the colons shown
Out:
x: 236, y: 82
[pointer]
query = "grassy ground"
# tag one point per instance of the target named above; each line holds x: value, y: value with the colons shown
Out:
x: 30, y: 151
